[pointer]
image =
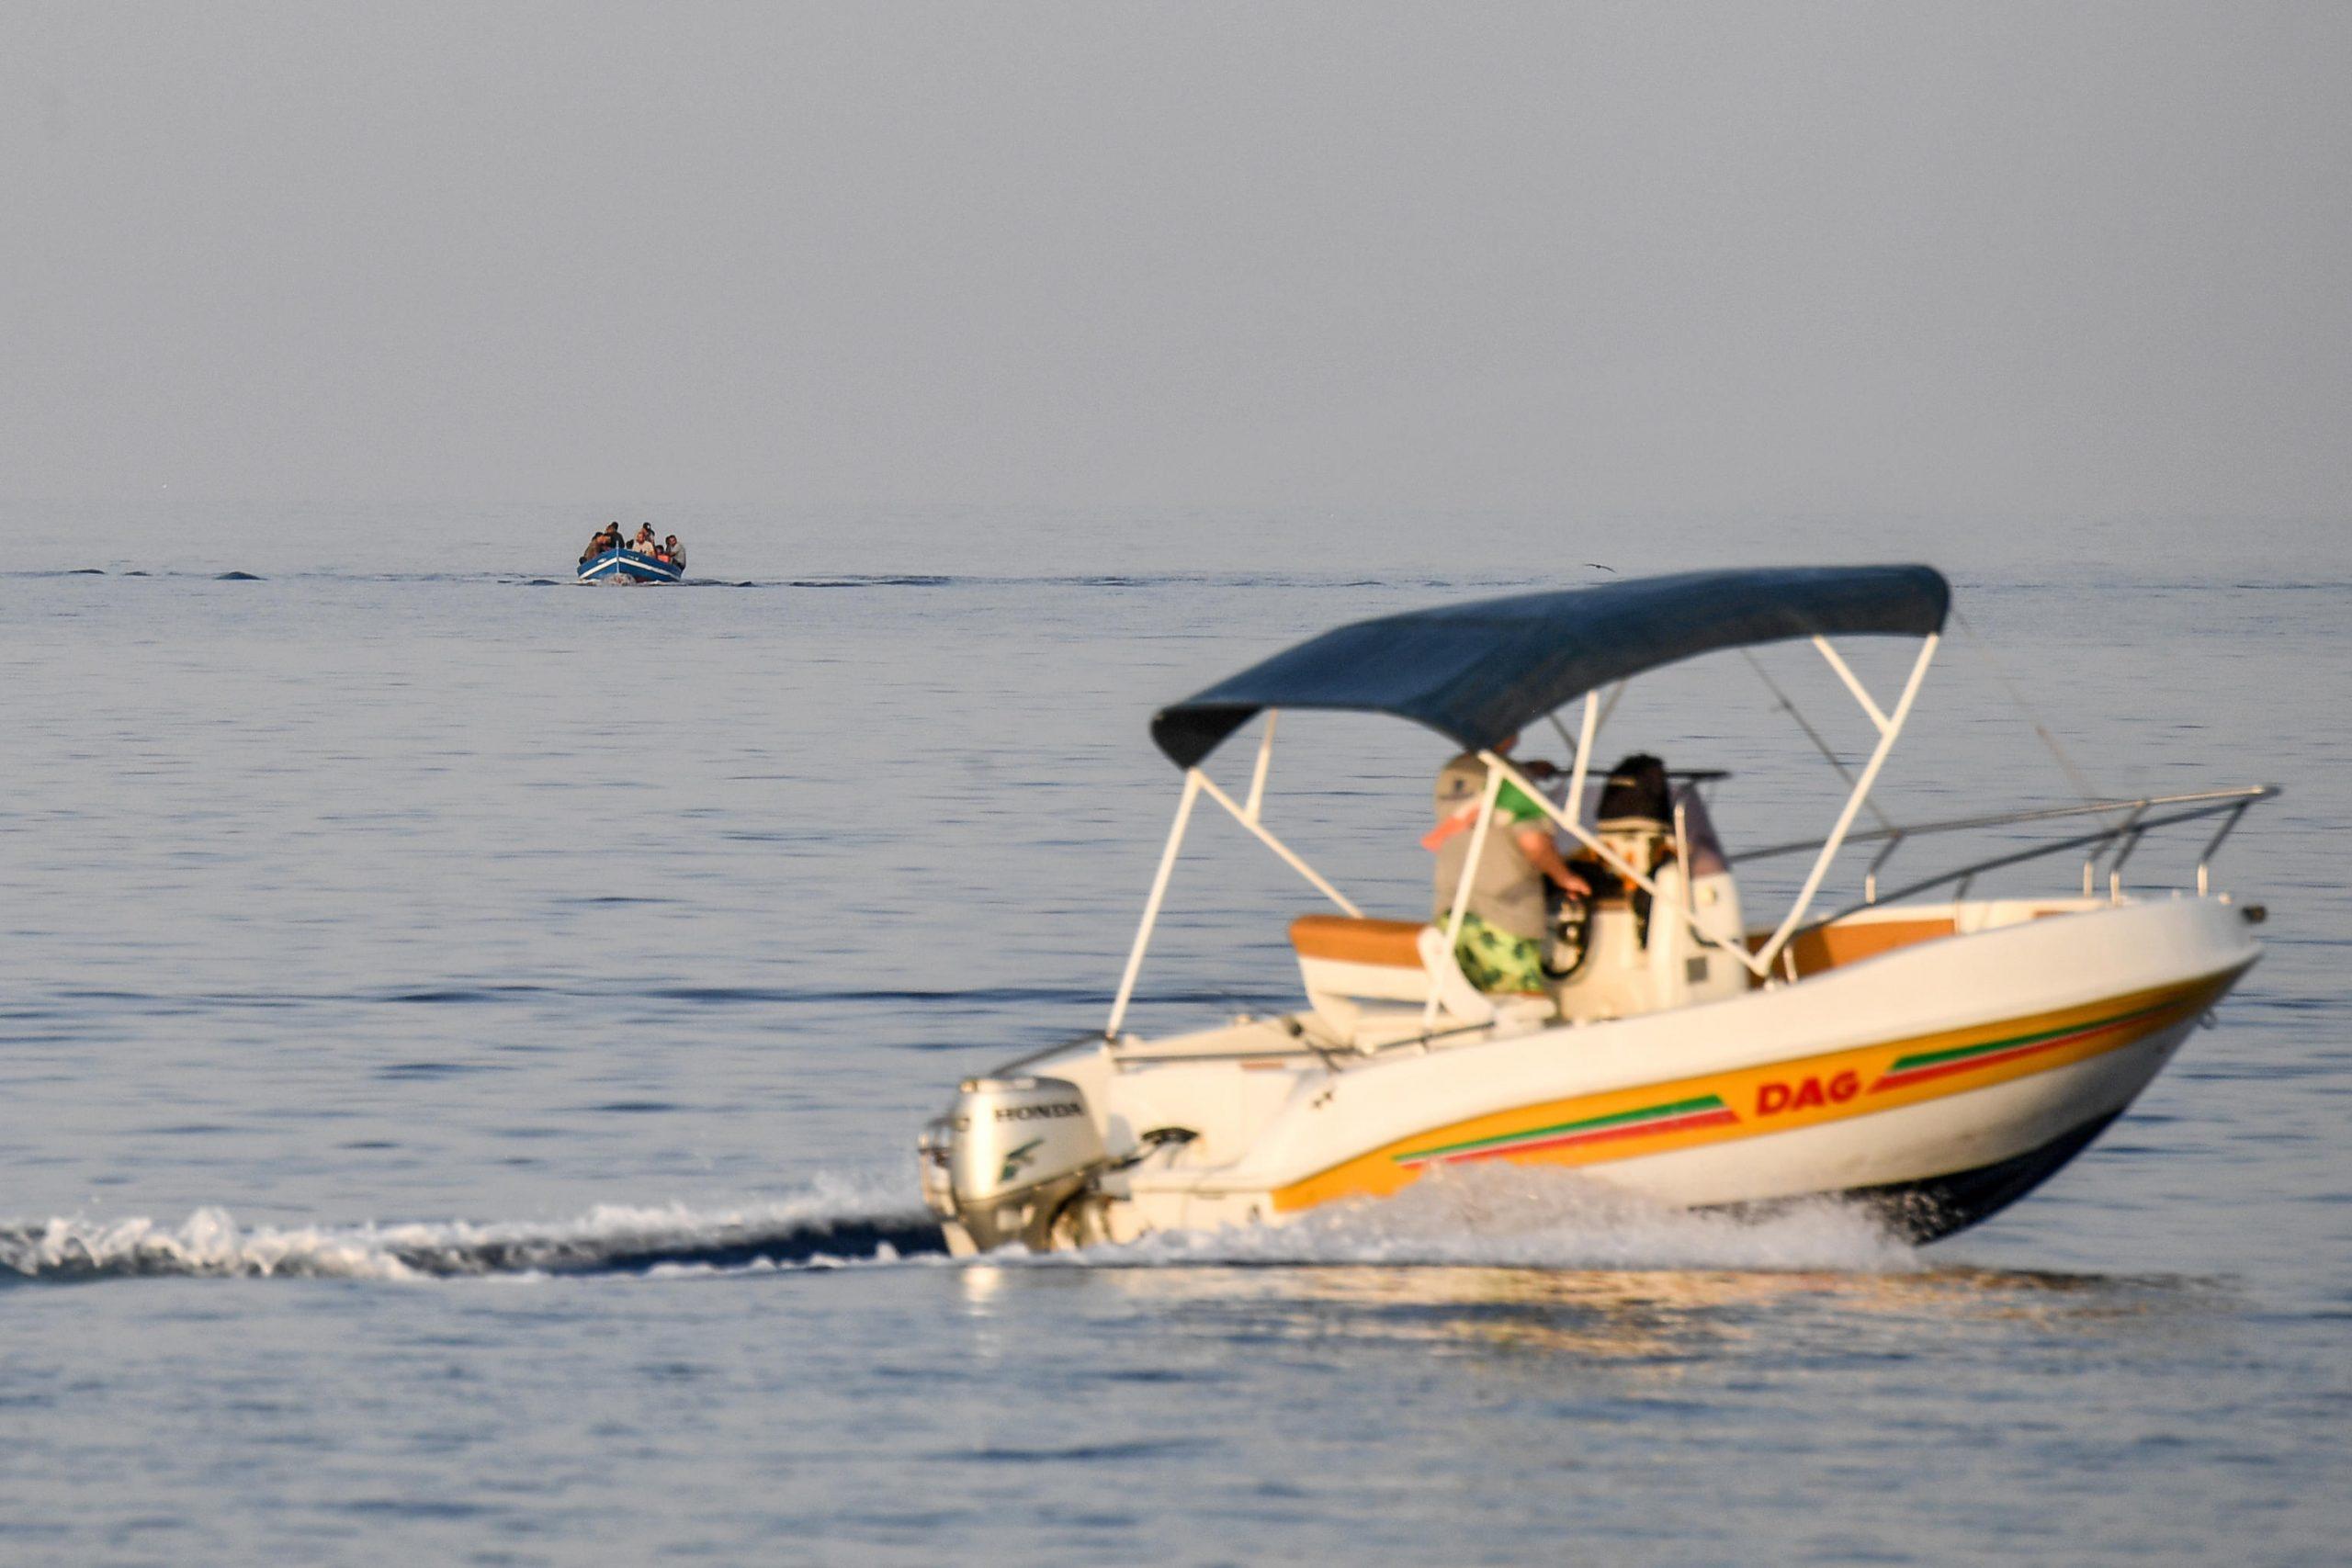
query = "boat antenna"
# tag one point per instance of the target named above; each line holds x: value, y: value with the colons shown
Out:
x: 1790, y: 707
x: 2075, y: 775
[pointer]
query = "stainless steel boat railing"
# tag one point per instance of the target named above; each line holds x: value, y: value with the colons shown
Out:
x: 2122, y: 837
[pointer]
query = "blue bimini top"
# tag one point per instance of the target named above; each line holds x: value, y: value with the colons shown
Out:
x: 1478, y: 674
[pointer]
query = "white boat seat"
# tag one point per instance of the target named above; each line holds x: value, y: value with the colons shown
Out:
x: 1346, y: 962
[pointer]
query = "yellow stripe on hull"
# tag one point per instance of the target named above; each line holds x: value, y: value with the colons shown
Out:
x: 1781, y: 1097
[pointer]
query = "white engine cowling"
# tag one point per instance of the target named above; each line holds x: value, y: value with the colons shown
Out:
x: 1012, y: 1152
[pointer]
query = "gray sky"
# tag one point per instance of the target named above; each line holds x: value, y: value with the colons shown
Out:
x: 2028, y: 259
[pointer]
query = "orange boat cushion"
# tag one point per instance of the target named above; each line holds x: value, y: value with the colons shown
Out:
x: 1830, y: 946
x: 1346, y: 940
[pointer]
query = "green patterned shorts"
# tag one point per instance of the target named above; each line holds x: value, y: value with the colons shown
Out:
x: 1497, y: 961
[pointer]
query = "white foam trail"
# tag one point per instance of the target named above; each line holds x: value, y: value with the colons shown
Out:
x: 208, y: 1242
x: 1495, y: 1216
x: 836, y: 1219
x: 1503, y: 1216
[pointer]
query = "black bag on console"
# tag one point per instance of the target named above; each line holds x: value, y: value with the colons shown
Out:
x: 1636, y: 790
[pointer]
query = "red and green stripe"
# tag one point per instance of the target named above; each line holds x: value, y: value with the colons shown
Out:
x: 1706, y: 1111
x: 1927, y: 1065
x: 1710, y: 1109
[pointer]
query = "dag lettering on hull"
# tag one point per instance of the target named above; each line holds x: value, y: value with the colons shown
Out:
x: 1807, y: 1093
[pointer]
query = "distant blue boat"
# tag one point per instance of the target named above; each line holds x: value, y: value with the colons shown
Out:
x: 630, y: 566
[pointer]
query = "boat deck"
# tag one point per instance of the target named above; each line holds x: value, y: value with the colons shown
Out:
x: 1292, y: 1041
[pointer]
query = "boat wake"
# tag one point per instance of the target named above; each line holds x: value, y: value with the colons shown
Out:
x: 1496, y: 1217
x: 1503, y: 1216
x: 831, y: 1226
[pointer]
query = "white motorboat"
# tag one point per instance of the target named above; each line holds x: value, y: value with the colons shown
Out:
x: 1931, y: 1054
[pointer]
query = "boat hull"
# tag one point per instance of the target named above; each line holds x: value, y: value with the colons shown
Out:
x: 1939, y: 1083
x: 1902, y: 1110
x: 1931, y: 1168
x: 1935, y: 1207
x: 628, y: 566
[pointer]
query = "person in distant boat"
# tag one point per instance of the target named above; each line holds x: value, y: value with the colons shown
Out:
x: 1502, y: 945
x: 673, y: 552
x: 645, y: 543
x: 598, y: 543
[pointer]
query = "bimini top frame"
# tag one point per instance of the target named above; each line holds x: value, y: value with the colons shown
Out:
x: 1478, y: 674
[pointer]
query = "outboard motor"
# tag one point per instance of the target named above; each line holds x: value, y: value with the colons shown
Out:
x: 1007, y: 1158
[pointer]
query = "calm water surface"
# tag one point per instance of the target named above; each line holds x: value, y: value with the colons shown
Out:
x: 462, y: 1034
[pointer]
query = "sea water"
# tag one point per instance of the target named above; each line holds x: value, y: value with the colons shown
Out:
x: 462, y: 1035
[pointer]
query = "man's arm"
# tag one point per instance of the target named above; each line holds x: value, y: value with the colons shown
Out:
x: 1536, y: 844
